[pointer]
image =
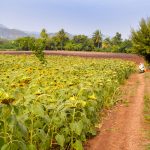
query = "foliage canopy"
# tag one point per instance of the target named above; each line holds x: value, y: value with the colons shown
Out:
x: 141, y: 38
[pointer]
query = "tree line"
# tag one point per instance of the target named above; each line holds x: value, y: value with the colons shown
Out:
x: 138, y: 43
x: 61, y: 41
x: 7, y: 44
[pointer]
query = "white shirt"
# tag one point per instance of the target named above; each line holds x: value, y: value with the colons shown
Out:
x: 141, y: 67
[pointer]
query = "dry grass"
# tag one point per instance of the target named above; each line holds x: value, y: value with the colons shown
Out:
x: 147, y: 109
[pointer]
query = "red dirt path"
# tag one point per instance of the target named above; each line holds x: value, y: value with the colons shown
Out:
x: 122, y: 128
x: 124, y: 56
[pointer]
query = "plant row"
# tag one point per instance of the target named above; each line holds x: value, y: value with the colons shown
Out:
x: 58, y: 105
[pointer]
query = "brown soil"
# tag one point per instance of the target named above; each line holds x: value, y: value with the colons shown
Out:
x: 99, y: 55
x: 122, y: 128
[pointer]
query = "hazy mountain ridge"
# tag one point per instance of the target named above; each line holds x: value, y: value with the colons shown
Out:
x: 11, y: 34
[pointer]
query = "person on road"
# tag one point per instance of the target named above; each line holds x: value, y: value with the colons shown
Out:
x: 141, y: 68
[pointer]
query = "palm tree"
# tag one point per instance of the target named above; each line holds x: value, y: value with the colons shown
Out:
x: 97, y: 38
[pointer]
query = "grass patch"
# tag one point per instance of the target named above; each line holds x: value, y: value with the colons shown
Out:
x: 147, y: 109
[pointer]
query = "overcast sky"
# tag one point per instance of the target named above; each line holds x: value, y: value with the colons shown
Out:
x: 75, y: 16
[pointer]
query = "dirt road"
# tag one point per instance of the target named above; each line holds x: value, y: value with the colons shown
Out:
x: 99, y: 55
x: 122, y: 128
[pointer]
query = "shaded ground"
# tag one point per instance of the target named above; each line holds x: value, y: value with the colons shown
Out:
x: 124, y: 56
x: 122, y: 128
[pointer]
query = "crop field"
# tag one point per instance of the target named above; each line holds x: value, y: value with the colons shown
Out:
x: 55, y: 106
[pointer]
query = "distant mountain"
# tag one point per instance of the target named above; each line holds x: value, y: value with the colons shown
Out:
x: 2, y: 26
x: 34, y: 34
x: 11, y: 34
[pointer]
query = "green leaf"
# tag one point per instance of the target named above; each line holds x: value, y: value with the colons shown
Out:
x: 31, y: 147
x: 11, y: 120
x: 2, y: 91
x: 16, y: 110
x: 92, y: 131
x: 78, y: 145
x: 73, y: 126
x: 38, y: 124
x: 5, y: 147
x: 60, y: 139
x: 38, y: 110
x: 1, y: 125
x: 14, y: 146
x: 22, y: 146
x: 22, y: 128
x: 6, y: 111
x: 1, y: 142
x: 41, y: 134
x: 77, y: 127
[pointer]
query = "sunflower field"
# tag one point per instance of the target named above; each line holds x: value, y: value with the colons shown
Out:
x: 55, y: 106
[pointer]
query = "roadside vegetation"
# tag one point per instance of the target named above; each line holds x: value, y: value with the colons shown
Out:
x: 138, y: 43
x: 147, y: 109
x: 7, y: 44
x: 61, y: 41
x: 141, y: 39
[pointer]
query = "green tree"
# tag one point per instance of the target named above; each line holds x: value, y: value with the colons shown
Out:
x: 82, y: 42
x: 125, y: 46
x: 24, y: 43
x: 7, y: 44
x: 62, y: 38
x: 80, y: 39
x: 97, y: 38
x: 116, y: 42
x: 44, y: 37
x: 30, y: 43
x: 141, y: 39
x: 38, y: 49
x: 106, y: 43
x: 117, y: 39
x: 44, y: 34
